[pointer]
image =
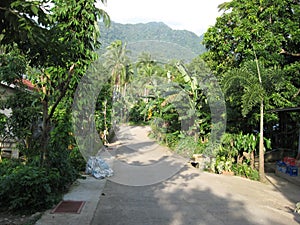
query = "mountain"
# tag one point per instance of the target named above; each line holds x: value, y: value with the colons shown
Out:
x: 156, y: 38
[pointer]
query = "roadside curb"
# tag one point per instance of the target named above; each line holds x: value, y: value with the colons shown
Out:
x: 88, y: 190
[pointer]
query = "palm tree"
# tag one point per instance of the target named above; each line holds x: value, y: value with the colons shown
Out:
x: 116, y: 60
x: 146, y: 65
x: 147, y: 68
x: 256, y: 85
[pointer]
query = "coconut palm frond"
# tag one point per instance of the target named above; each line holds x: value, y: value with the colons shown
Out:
x: 252, y: 96
x: 233, y: 79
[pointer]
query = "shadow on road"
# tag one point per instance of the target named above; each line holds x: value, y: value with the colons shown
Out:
x: 180, y: 201
x: 189, y: 196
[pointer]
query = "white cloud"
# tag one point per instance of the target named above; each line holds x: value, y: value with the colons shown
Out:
x: 193, y: 15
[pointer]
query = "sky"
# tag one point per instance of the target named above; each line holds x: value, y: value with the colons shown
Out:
x: 192, y: 15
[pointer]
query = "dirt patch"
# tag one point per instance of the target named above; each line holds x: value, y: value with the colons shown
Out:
x: 8, y: 218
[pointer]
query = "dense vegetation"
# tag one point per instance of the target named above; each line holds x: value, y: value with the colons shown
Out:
x: 254, y: 46
x: 251, y: 65
x: 52, y: 47
x: 252, y: 51
x: 156, y: 38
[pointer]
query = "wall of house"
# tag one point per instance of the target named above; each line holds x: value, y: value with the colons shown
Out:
x: 7, y: 147
x: 5, y: 91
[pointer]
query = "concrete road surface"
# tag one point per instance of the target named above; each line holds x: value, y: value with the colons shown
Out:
x: 142, y: 193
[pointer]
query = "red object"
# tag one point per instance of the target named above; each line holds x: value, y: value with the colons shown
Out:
x: 28, y: 84
x: 289, y: 161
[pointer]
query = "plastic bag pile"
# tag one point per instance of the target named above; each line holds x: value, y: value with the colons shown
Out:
x: 98, y: 168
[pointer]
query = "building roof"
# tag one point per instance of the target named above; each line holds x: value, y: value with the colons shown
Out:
x: 25, y: 82
x: 290, y: 109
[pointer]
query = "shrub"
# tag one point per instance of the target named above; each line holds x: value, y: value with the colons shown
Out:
x: 244, y: 170
x: 59, y: 160
x: 77, y: 160
x: 223, y: 164
x: 137, y: 114
x: 7, y: 165
x: 59, y: 155
x: 187, y: 146
x: 230, y: 155
x: 29, y: 188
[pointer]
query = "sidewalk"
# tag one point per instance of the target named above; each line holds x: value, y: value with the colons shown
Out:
x: 88, y: 190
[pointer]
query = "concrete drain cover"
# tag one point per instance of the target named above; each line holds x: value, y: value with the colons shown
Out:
x: 69, y: 206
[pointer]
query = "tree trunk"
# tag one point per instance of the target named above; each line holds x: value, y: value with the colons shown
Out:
x: 45, y: 127
x: 105, y: 123
x: 261, y: 167
x: 44, y: 139
x: 240, y: 159
x: 252, y: 159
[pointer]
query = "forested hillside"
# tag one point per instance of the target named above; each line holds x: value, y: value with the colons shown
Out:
x: 157, y: 38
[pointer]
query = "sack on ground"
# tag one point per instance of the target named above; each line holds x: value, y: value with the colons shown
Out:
x: 98, y: 168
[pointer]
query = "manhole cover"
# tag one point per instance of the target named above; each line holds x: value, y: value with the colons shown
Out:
x: 68, y: 207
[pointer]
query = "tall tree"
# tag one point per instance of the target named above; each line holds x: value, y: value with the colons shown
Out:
x: 75, y: 31
x: 258, y: 87
x: 146, y: 65
x: 116, y: 60
x: 25, y: 23
x: 271, y: 28
x: 69, y: 36
x: 146, y: 68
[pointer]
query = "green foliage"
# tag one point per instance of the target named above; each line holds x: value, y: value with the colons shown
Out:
x: 155, y: 38
x: 13, y: 64
x: 264, y: 26
x: 235, y: 144
x: 136, y: 114
x: 68, y: 35
x: 147, y: 66
x: 171, y: 140
x: 116, y: 60
x: 266, y: 31
x: 61, y: 140
x: 230, y: 156
x: 22, y: 125
x: 8, y: 165
x: 24, y: 23
x: 52, y: 46
x: 59, y: 159
x: 244, y: 92
x: 76, y: 159
x: 173, y: 103
x: 226, y: 154
x: 244, y: 170
x: 3, y: 119
x: 187, y: 146
x: 28, y: 188
x: 223, y: 164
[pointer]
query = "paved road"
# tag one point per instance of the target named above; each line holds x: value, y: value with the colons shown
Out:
x: 187, y: 195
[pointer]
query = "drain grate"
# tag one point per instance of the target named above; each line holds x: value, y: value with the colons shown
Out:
x: 69, y: 206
